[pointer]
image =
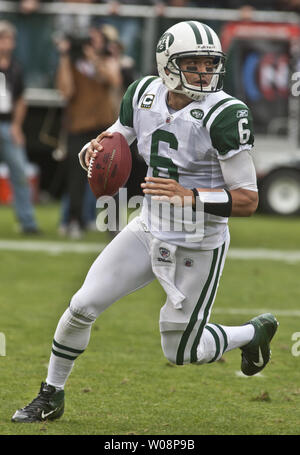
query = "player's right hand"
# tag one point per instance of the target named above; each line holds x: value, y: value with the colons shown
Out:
x: 95, y: 146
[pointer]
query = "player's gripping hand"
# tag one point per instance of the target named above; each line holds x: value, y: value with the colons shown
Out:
x: 168, y: 190
x: 95, y: 147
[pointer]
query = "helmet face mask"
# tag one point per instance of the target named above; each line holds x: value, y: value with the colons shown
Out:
x: 190, y: 39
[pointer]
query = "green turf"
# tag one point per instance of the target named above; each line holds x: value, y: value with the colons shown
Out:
x: 122, y: 384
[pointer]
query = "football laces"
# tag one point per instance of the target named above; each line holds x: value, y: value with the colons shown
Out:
x: 90, y: 168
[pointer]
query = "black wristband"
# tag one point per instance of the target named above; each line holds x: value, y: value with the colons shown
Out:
x: 223, y: 209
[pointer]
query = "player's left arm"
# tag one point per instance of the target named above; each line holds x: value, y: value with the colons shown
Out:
x: 221, y: 202
x: 232, y: 136
x: 240, y: 179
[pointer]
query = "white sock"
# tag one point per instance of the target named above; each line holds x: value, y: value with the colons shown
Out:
x: 218, y: 339
x: 58, y: 371
x: 238, y: 336
x: 71, y: 338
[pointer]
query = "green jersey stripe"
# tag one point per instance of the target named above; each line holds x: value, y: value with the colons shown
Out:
x: 194, y: 316
x: 145, y: 85
x: 217, y: 341
x: 224, y: 336
x: 66, y: 348
x: 196, y: 32
x: 209, y: 35
x: 216, y: 106
x: 126, y: 110
x: 207, y: 308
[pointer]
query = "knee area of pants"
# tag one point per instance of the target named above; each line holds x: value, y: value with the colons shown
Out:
x: 170, y: 356
x: 80, y: 310
x: 169, y: 343
x: 89, y: 305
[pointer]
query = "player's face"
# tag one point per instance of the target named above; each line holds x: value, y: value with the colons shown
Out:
x: 7, y: 43
x: 192, y: 66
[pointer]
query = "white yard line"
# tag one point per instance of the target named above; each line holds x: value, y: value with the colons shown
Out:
x: 85, y: 247
x: 259, y: 253
x: 255, y: 311
x: 52, y: 247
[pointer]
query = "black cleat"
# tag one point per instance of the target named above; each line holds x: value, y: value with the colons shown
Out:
x: 48, y: 405
x: 257, y: 353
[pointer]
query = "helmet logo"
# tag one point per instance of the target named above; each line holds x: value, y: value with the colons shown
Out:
x: 165, y: 41
x: 197, y: 113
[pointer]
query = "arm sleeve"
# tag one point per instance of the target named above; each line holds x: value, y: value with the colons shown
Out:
x: 239, y: 172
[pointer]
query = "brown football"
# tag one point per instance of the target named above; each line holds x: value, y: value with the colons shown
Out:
x: 110, y: 169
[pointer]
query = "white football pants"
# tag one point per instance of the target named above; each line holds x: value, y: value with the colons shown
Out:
x: 132, y: 260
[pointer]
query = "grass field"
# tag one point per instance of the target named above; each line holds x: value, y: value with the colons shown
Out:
x: 122, y: 384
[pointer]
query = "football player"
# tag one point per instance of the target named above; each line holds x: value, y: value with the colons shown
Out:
x: 196, y: 140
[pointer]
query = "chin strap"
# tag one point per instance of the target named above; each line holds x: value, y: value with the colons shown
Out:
x: 200, y: 96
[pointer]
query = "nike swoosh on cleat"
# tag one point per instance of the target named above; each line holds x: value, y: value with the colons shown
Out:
x: 44, y: 415
x: 260, y: 359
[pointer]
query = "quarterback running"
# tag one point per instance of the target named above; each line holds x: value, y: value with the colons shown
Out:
x: 196, y: 140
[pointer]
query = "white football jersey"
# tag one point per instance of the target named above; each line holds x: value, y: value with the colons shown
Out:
x: 186, y: 146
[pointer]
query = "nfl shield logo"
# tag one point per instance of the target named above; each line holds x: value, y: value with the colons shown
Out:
x: 188, y: 262
x: 164, y: 252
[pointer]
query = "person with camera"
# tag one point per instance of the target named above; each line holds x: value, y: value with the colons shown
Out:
x: 87, y: 76
x: 13, y: 111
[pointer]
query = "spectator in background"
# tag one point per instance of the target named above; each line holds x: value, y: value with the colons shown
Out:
x: 127, y: 63
x: 12, y: 140
x: 34, y: 36
x: 289, y: 5
x: 128, y: 71
x: 247, y: 7
x: 87, y: 77
x: 256, y: 4
x: 74, y: 24
x: 129, y: 28
x: 29, y: 6
x: 181, y: 3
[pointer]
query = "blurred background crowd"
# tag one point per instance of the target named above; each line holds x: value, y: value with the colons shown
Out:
x: 66, y: 72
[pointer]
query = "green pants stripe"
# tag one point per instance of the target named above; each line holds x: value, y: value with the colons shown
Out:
x: 207, y: 308
x: 194, y: 318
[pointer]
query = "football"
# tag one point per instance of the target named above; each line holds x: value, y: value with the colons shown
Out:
x: 110, y: 169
